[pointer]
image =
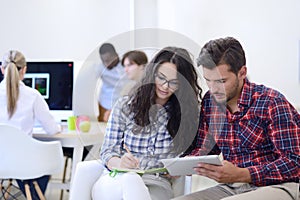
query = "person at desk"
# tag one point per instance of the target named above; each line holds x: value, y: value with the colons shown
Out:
x: 21, y: 105
x: 152, y: 123
x: 254, y: 126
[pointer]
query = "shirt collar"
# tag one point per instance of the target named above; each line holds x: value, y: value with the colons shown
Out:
x: 245, y: 98
x: 22, y: 83
x: 167, y: 105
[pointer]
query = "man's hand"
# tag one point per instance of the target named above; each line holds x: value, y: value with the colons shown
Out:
x: 227, y: 173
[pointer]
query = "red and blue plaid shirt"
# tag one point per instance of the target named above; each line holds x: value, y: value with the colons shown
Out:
x: 263, y: 136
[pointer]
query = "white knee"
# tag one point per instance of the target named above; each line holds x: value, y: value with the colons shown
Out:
x: 107, y: 188
x: 134, y: 187
x: 131, y: 177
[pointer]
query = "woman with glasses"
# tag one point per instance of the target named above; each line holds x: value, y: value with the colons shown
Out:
x: 156, y: 121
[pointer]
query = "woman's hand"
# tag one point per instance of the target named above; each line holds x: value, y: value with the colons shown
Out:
x: 129, y: 161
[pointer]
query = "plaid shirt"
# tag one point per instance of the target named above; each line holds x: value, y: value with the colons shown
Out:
x: 148, y: 144
x: 262, y: 137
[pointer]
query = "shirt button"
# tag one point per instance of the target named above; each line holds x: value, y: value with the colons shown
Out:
x: 151, y: 142
x: 150, y: 149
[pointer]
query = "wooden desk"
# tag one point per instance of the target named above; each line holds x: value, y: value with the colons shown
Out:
x: 76, y: 140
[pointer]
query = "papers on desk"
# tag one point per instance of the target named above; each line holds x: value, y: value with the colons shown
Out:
x: 39, y: 130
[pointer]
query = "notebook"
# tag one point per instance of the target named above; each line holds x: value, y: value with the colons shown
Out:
x: 176, y: 166
x: 138, y: 171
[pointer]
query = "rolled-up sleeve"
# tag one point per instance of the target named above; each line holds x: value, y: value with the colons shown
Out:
x: 114, y: 132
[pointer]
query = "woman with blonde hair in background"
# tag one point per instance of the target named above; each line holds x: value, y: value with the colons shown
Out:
x: 21, y: 105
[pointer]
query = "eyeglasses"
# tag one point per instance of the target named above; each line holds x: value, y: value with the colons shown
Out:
x: 161, y: 80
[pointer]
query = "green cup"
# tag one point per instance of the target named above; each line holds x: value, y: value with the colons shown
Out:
x: 72, y: 123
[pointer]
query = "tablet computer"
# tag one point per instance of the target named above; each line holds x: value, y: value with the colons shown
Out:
x: 185, y: 165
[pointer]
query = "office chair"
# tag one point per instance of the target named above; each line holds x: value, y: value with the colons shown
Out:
x: 23, y: 157
x: 88, y: 172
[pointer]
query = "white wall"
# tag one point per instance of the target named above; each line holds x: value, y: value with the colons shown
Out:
x: 269, y: 30
x: 70, y: 30
x: 60, y: 29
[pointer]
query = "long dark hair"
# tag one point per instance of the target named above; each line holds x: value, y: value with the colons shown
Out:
x: 184, y: 102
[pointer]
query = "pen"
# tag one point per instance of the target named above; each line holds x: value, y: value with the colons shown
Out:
x: 128, y: 151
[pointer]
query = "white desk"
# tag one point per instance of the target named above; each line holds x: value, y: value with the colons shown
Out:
x: 76, y: 140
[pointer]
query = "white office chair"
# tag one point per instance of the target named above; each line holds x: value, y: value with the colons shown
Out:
x: 88, y: 172
x: 23, y: 157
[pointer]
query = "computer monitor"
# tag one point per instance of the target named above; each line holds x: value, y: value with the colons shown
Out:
x: 38, y: 81
x: 54, y: 80
x: 1, y: 75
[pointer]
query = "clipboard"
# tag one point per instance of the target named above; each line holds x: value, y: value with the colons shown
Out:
x: 185, y: 165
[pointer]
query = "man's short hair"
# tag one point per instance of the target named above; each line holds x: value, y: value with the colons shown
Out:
x: 107, y: 48
x: 222, y: 51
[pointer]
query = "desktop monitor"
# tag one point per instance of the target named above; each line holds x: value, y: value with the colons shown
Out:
x: 38, y: 81
x: 54, y: 80
x: 1, y: 75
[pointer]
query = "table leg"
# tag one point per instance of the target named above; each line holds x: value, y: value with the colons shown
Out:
x: 77, y: 157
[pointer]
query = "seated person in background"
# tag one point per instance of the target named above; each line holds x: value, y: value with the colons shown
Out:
x: 154, y: 122
x: 111, y: 73
x: 255, y: 128
x: 21, y: 105
x: 134, y: 64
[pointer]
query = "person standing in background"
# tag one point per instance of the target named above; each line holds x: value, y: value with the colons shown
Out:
x: 112, y: 74
x: 134, y: 63
x: 21, y: 105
